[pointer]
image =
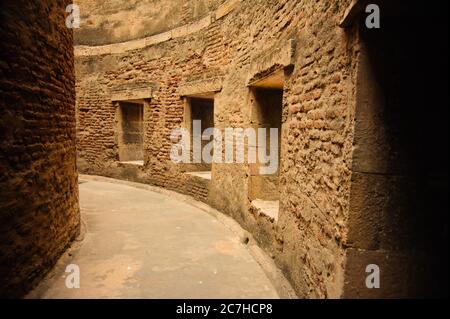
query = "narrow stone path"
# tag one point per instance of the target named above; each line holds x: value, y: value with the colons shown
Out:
x: 142, y: 244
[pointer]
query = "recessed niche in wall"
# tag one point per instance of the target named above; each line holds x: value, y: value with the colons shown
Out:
x: 130, y: 132
x: 199, y: 109
x: 266, y: 112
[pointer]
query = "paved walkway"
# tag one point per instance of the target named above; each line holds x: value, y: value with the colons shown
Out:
x: 142, y: 244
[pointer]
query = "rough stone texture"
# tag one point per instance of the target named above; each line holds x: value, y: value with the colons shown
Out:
x: 117, y: 20
x: 317, y: 121
x: 39, y: 212
x: 325, y: 198
x: 399, y: 197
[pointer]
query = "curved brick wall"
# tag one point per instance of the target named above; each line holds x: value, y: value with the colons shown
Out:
x: 39, y: 212
x: 307, y: 244
x: 116, y: 21
x: 318, y: 240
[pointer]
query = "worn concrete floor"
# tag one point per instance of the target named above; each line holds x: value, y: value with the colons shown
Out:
x: 142, y: 244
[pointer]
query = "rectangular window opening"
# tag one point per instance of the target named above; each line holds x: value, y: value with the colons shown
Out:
x: 267, y: 106
x: 199, y: 109
x: 131, y: 133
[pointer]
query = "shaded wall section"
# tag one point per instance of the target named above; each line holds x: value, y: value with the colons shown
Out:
x: 39, y: 212
x: 399, y: 195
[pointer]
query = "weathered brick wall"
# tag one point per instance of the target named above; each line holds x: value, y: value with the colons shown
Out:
x: 318, y: 114
x: 117, y: 20
x: 39, y: 212
x: 316, y: 146
x: 344, y: 190
x: 160, y: 67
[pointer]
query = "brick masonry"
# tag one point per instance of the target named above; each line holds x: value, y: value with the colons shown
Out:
x: 313, y: 241
x: 318, y: 114
x: 39, y: 212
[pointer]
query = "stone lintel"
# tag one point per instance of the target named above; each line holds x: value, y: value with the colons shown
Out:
x: 201, y: 87
x: 132, y: 95
x: 271, y: 61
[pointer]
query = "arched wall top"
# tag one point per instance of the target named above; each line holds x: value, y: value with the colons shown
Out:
x: 187, y: 29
